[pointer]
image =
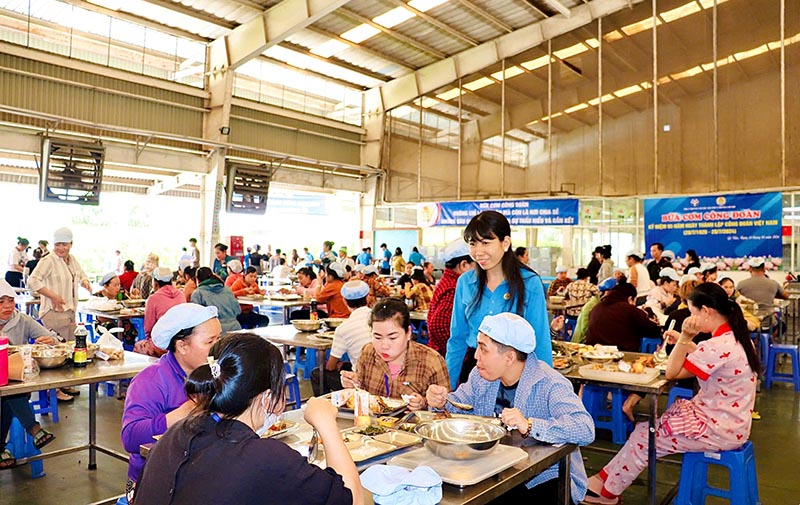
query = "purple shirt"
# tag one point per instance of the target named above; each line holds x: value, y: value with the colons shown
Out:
x: 154, y: 392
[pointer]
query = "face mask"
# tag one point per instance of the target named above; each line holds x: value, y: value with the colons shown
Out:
x: 270, y: 418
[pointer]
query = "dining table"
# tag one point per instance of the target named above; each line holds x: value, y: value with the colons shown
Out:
x: 68, y: 376
x: 653, y: 390
x: 285, y: 304
x: 287, y: 335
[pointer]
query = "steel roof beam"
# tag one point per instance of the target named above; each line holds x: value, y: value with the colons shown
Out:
x: 432, y: 77
x: 271, y: 27
x: 486, y: 16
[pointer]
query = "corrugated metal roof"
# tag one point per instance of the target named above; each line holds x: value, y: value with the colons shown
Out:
x: 515, y: 13
x: 466, y: 22
x: 224, y: 9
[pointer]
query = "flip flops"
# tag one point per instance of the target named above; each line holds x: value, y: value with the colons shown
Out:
x: 42, y: 438
x: 593, y: 498
x: 7, y: 460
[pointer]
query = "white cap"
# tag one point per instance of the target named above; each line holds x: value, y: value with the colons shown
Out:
x: 455, y: 249
x: 756, y: 262
x: 634, y: 252
x: 561, y: 269
x: 107, y: 278
x: 353, y: 290
x: 235, y: 266
x: 62, y: 235
x: 511, y: 330
x: 370, y: 270
x: 669, y: 272
x: 694, y: 271
x: 177, y: 318
x: 359, y: 268
x: 686, y: 278
x: 338, y: 268
x: 6, y: 289
x: 162, y: 274
x: 705, y: 267
x: 668, y: 254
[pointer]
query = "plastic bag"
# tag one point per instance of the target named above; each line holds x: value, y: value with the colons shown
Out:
x: 110, y: 346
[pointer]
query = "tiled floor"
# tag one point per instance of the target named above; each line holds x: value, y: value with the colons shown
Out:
x: 776, y: 438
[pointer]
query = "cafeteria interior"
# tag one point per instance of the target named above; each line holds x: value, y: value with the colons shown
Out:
x: 278, y: 165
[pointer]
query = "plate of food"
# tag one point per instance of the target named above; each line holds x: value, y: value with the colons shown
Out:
x: 622, y: 372
x: 598, y: 356
x: 562, y: 363
x: 252, y: 298
x: 280, y: 428
x: 378, y: 405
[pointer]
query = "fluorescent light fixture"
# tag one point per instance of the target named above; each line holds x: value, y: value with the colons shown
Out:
x: 478, y: 84
x: 394, y: 17
x: 535, y: 63
x: 576, y: 108
x: 570, y: 51
x: 425, y: 5
x: 449, y: 94
x: 329, y: 48
x: 360, y: 33
x: 510, y: 72
x: 628, y: 91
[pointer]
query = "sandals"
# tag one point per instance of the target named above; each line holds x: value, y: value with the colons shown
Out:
x: 7, y: 460
x: 593, y: 498
x: 42, y: 438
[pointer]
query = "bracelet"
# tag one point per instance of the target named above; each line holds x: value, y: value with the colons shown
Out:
x: 683, y: 342
x: 530, y: 427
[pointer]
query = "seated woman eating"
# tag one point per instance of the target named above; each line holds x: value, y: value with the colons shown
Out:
x: 392, y: 364
x: 19, y: 328
x: 247, y: 285
x: 211, y: 292
x: 726, y: 366
x: 239, y: 394
x: 156, y: 397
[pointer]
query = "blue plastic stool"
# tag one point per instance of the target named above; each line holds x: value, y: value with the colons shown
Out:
x: 20, y: 444
x: 292, y: 388
x: 679, y: 392
x: 772, y: 375
x: 138, y: 323
x: 308, y: 363
x: 649, y: 345
x: 46, y: 404
x: 122, y: 500
x: 761, y: 341
x: 594, y: 399
x: 743, y: 482
x: 420, y: 331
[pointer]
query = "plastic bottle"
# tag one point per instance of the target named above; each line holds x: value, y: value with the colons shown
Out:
x: 314, y: 315
x: 79, y: 355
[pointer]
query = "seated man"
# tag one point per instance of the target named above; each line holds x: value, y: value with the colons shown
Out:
x: 349, y: 338
x: 528, y: 395
x: 19, y: 328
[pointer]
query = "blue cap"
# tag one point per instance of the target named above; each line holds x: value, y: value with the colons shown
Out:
x: 354, y: 290
x: 607, y: 284
x: 107, y: 278
x: 455, y: 249
x: 180, y: 317
x: 511, y: 330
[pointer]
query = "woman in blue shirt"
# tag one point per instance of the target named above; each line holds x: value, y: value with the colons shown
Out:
x: 415, y: 257
x: 500, y: 283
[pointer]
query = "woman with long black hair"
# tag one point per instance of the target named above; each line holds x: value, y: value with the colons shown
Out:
x: 499, y: 283
x: 718, y: 418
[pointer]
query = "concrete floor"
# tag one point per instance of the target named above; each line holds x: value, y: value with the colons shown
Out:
x: 776, y: 438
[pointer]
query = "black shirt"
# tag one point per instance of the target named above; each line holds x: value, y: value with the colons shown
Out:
x: 505, y: 397
x: 228, y: 464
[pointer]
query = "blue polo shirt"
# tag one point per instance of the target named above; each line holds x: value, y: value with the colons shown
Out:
x: 467, y: 318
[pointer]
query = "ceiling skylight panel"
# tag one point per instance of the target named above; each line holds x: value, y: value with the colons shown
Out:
x: 449, y: 95
x: 425, y: 5
x: 360, y: 33
x: 478, y: 84
x: 394, y: 17
x: 570, y: 51
x: 510, y: 72
x: 329, y: 48
x: 535, y: 63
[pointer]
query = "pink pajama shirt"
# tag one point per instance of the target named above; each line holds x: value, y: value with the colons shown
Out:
x: 718, y: 418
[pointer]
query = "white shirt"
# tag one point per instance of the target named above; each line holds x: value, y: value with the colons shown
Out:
x: 643, y: 282
x: 352, y: 335
x: 17, y: 258
x: 281, y: 271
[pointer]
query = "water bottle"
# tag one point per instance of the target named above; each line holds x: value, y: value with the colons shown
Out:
x: 314, y: 315
x: 79, y: 355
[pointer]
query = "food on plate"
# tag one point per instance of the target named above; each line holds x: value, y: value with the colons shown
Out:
x: 372, y: 430
x: 278, y: 428
x: 377, y: 404
x: 637, y: 367
x: 285, y: 291
x: 387, y: 422
x: 561, y: 363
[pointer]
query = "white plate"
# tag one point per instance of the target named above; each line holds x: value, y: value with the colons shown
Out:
x: 605, y: 375
x: 600, y: 355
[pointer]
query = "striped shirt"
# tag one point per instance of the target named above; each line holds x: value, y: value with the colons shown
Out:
x: 60, y: 276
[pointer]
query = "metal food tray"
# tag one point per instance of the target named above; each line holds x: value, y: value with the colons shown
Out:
x: 466, y: 472
x: 605, y: 375
x: 365, y: 447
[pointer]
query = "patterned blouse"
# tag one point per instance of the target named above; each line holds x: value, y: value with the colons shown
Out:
x: 423, y: 367
x: 422, y: 295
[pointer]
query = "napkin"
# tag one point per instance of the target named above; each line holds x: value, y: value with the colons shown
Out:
x: 393, y: 485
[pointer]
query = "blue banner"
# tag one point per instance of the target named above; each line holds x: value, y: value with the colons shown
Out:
x: 717, y: 225
x: 556, y: 212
